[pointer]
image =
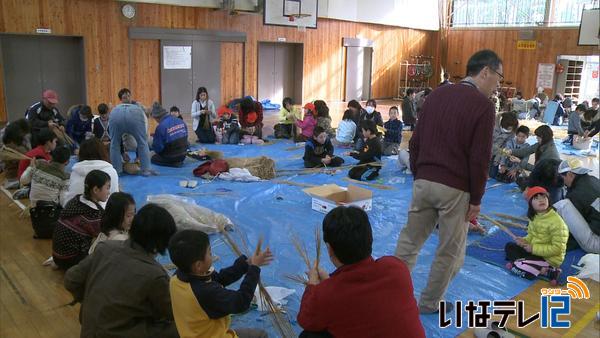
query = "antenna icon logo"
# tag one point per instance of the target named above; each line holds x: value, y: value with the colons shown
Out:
x: 576, y: 288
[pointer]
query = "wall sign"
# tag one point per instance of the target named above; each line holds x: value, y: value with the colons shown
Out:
x: 526, y: 44
x: 177, y: 57
x: 545, y: 75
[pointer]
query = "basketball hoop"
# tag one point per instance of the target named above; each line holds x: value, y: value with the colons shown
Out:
x: 300, y: 22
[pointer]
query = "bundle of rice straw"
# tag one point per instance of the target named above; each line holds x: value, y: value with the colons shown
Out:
x: 132, y: 168
x: 64, y: 137
x: 10, y: 154
x: 262, y: 167
x: 277, y: 316
x: 301, y: 249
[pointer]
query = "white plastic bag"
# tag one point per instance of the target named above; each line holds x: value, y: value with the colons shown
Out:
x: 188, y: 215
x: 278, y: 294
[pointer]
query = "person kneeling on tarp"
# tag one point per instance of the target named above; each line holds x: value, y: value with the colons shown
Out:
x: 369, y: 155
x: 170, y: 138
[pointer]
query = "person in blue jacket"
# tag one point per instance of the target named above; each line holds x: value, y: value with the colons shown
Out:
x: 170, y: 142
x: 79, y: 125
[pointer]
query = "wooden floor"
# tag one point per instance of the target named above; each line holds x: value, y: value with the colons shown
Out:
x: 32, y: 296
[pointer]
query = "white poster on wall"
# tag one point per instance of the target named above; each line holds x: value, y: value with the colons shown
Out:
x: 545, y: 75
x: 177, y: 57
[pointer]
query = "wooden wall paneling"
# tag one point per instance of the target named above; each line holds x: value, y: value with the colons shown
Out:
x: 113, y: 62
x: 145, y: 71
x: 231, y: 70
x: 520, y: 66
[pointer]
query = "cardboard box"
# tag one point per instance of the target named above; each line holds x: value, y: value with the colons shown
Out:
x: 327, y: 197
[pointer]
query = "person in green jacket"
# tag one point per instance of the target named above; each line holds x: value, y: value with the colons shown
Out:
x: 285, y: 128
x: 542, y: 251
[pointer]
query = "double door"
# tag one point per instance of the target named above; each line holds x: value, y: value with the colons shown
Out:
x: 182, y: 75
x: 33, y: 63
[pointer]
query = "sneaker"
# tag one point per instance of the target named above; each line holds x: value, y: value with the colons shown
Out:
x: 20, y: 194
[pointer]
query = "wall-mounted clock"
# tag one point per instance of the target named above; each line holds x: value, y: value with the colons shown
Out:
x: 128, y: 11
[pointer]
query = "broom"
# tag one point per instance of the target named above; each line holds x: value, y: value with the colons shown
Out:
x: 301, y: 248
x: 318, y: 245
x: 501, y: 226
x: 319, y: 169
x: 280, y: 322
x: 297, y: 278
x: 64, y: 136
x: 294, y: 148
x: 297, y: 184
x: 514, y: 218
x: 9, y: 153
x: 373, y: 185
x: 513, y: 225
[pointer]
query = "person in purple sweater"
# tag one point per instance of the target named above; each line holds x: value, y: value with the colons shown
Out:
x: 450, y: 150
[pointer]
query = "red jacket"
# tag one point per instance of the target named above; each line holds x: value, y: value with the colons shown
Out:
x: 371, y: 298
x: 37, y: 152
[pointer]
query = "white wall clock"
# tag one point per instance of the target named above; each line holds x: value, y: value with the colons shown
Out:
x: 128, y: 11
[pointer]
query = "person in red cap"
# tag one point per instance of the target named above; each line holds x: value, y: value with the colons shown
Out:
x: 44, y: 114
x: 308, y: 124
x: 542, y: 251
x: 229, y: 127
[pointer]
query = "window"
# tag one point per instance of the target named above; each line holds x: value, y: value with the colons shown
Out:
x: 515, y: 13
x: 497, y: 13
x: 568, y: 12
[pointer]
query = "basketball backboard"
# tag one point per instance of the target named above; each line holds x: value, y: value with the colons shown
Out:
x: 293, y: 13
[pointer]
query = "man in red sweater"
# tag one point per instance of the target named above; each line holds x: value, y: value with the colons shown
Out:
x: 449, y: 154
x: 364, y: 297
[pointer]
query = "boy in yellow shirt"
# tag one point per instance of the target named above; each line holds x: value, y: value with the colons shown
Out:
x: 201, y: 304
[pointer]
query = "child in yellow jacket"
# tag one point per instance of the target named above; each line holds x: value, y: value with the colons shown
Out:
x: 542, y: 251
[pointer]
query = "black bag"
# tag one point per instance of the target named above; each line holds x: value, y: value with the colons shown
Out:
x: 44, y: 217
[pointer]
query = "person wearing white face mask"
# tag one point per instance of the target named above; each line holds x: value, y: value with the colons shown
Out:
x: 369, y: 114
x: 504, y: 130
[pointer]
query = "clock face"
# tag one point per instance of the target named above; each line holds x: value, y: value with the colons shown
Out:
x: 128, y: 11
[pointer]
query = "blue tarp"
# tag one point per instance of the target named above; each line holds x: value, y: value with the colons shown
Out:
x: 277, y: 210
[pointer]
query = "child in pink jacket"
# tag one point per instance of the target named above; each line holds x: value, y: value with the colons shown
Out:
x: 308, y: 124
